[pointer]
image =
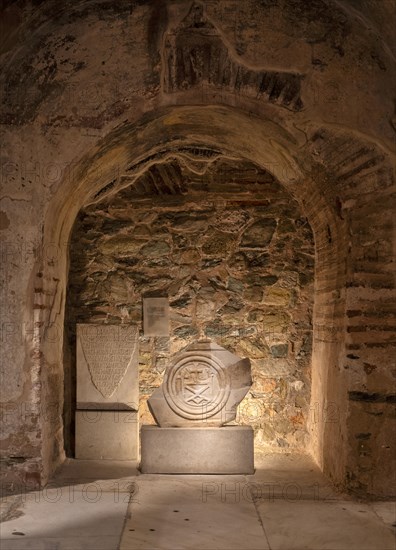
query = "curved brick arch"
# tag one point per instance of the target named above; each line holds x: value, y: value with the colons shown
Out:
x: 183, y: 129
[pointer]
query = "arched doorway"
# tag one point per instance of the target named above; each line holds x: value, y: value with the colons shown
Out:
x: 234, y: 256
x: 133, y: 149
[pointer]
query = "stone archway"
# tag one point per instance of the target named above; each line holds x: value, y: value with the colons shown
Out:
x: 131, y: 148
x: 232, y: 252
x: 313, y: 85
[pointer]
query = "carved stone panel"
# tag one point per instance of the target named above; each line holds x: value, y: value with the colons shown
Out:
x: 202, y: 387
x: 197, y: 384
x: 107, y: 367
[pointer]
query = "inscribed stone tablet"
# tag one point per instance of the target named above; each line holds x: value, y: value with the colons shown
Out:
x: 107, y: 367
x: 156, y: 316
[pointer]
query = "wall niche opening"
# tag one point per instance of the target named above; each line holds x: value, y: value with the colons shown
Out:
x: 234, y: 254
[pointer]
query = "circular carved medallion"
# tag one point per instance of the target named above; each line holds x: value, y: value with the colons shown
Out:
x: 197, y: 386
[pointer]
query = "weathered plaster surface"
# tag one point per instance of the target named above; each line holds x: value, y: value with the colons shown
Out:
x: 83, y: 98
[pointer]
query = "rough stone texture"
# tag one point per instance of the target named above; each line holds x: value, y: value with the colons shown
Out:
x: 231, y: 270
x: 86, y: 108
x: 226, y: 450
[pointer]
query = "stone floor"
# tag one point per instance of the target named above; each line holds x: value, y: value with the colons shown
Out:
x: 287, y: 504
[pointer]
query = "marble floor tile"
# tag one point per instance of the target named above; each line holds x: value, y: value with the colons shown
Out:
x: 316, y: 525
x: 175, y: 515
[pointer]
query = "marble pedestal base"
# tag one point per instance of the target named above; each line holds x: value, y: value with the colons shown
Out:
x: 225, y: 450
x: 107, y: 435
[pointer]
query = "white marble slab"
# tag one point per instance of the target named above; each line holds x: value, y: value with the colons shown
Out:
x: 174, y: 515
x: 66, y: 519
x: 319, y: 525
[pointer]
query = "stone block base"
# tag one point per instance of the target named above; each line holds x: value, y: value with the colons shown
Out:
x: 225, y: 450
x: 107, y: 435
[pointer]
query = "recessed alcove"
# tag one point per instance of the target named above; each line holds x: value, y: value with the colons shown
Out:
x: 233, y: 161
x: 232, y: 251
x: 196, y: 138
